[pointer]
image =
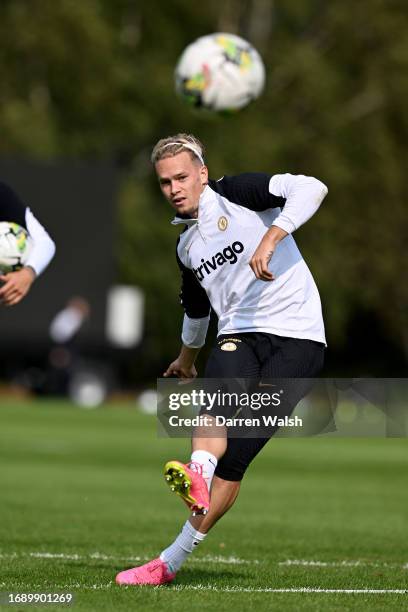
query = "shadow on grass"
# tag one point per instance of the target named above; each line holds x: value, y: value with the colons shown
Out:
x: 193, y: 576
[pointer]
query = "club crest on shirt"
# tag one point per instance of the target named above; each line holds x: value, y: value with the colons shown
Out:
x: 222, y: 224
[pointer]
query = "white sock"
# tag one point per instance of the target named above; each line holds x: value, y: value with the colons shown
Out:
x: 183, y: 545
x: 209, y: 463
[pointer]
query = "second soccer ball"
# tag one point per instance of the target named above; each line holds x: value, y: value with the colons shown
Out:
x: 15, y: 246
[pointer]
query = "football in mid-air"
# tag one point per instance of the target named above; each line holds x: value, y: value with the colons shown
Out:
x: 220, y: 72
x: 15, y: 246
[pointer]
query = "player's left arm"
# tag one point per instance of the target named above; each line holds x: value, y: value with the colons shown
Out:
x: 16, y: 285
x: 303, y: 196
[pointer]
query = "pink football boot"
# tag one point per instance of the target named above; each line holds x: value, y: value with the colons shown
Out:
x: 155, y: 572
x: 189, y: 484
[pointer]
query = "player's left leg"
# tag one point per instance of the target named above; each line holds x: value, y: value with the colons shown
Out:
x: 164, y: 568
x: 198, y: 475
x: 224, y: 491
x: 278, y: 358
x: 223, y: 495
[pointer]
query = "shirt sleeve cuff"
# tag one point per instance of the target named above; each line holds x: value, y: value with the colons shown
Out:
x: 194, y: 331
x: 285, y: 224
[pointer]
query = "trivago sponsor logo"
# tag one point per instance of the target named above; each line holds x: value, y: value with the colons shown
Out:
x: 227, y: 255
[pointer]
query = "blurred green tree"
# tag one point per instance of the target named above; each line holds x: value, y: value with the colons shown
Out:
x: 95, y: 78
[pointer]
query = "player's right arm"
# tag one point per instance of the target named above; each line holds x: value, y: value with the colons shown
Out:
x: 15, y: 285
x: 183, y: 366
x: 197, y: 308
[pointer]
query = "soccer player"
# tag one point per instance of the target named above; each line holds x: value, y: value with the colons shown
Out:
x: 237, y: 256
x: 14, y: 286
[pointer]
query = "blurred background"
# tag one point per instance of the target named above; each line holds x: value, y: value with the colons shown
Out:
x: 86, y: 91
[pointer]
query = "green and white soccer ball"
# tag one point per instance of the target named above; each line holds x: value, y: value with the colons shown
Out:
x: 220, y: 72
x: 15, y: 247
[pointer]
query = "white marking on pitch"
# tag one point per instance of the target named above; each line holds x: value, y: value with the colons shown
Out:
x: 209, y: 587
x: 345, y: 563
x: 230, y: 560
x: 96, y: 555
x: 43, y: 587
x: 202, y: 587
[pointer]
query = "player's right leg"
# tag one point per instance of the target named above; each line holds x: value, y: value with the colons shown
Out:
x: 187, y: 481
x: 230, y: 358
x: 192, y: 480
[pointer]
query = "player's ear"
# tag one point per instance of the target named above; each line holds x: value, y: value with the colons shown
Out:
x: 204, y: 175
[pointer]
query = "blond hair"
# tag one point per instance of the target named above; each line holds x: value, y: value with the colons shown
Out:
x: 173, y: 145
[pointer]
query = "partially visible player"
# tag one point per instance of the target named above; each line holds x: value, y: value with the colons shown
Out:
x: 14, y: 286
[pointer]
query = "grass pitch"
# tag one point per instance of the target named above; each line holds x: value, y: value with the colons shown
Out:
x: 82, y: 497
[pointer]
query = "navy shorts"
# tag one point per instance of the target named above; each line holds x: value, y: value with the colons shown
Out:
x: 261, y: 356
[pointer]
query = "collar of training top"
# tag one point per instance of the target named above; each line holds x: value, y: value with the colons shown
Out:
x: 205, y: 205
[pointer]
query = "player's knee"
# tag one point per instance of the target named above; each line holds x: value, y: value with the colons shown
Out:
x: 239, y: 454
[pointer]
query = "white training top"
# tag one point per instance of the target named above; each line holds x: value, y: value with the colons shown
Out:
x: 13, y: 209
x: 234, y: 214
x: 43, y: 248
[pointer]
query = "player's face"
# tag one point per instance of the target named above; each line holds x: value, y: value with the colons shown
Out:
x: 182, y: 181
